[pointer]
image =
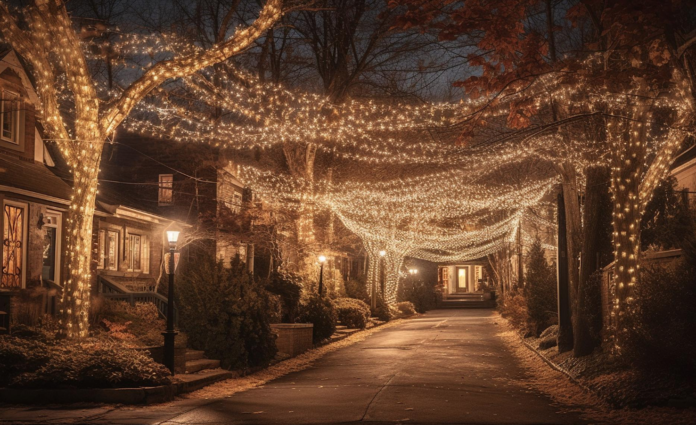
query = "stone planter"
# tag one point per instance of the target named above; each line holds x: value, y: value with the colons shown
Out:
x: 156, y: 353
x: 293, y: 338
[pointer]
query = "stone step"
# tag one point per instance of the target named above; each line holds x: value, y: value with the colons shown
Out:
x: 201, y: 364
x: 466, y: 304
x: 194, y: 355
x: 194, y: 381
x: 341, y: 327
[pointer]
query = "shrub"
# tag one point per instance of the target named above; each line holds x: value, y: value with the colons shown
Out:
x: 352, y: 313
x: 84, y: 364
x: 357, y: 288
x: 382, y: 311
x: 288, y: 286
x: 660, y: 326
x: 513, y: 306
x: 319, y: 311
x: 226, y: 313
x: 421, y: 294
x: 540, y: 291
x: 406, y: 308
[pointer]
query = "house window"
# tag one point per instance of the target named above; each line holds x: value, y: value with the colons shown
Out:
x: 139, y: 249
x: 166, y: 189
x: 9, y: 117
x: 14, y: 241
x: 51, y: 252
x: 136, y: 252
x: 108, y: 250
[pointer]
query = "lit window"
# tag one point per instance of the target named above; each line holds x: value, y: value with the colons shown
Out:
x: 108, y: 250
x: 166, y: 189
x: 51, y: 251
x: 9, y: 117
x: 135, y: 253
x: 14, y: 230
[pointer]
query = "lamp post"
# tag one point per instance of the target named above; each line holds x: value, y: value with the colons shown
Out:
x: 322, y: 260
x: 170, y: 333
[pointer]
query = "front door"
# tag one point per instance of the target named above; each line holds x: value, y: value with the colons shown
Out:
x: 462, y: 279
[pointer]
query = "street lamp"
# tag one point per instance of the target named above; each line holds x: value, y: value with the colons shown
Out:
x: 413, y: 271
x: 322, y: 260
x: 170, y: 334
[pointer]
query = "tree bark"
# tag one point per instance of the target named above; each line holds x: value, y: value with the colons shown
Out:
x: 565, y: 326
x: 596, y: 188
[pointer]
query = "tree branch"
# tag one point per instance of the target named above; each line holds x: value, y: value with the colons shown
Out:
x: 187, y: 65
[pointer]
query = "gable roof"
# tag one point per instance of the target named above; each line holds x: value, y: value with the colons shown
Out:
x: 9, y: 59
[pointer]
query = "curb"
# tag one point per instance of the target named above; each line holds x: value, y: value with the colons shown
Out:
x: 141, y: 395
x: 558, y: 368
x: 144, y: 395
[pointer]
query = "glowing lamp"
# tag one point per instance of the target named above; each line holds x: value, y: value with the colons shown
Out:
x: 322, y: 258
x: 382, y: 253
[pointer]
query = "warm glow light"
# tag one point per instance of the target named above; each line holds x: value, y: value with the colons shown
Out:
x: 172, y: 236
x: 382, y: 253
x: 322, y: 258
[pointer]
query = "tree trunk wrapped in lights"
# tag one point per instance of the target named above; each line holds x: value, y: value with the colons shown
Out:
x: 51, y: 47
x: 632, y: 186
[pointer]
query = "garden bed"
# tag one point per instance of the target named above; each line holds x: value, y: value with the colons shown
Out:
x: 613, y: 381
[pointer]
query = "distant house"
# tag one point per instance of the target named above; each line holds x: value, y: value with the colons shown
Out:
x: 466, y: 277
x: 193, y: 184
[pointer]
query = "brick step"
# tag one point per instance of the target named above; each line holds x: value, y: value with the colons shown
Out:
x: 195, y: 381
x: 201, y: 364
x: 194, y: 355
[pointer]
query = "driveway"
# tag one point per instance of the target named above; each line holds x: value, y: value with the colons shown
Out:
x: 447, y: 366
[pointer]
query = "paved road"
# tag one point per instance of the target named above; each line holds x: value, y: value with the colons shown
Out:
x: 445, y: 367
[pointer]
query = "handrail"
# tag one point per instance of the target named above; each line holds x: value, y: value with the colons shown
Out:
x: 114, y: 291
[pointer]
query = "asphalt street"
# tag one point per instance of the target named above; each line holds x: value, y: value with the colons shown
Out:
x: 445, y: 367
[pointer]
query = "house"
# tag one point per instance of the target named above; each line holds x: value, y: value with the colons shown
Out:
x: 464, y: 277
x: 684, y: 170
x: 192, y: 184
x: 34, y: 200
x: 35, y: 195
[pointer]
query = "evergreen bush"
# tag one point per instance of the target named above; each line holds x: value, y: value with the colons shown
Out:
x: 226, y: 313
x: 320, y: 311
x: 382, y: 311
x: 540, y: 291
x: 357, y: 288
x: 288, y: 286
x: 352, y: 313
x: 423, y: 295
x: 406, y: 308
